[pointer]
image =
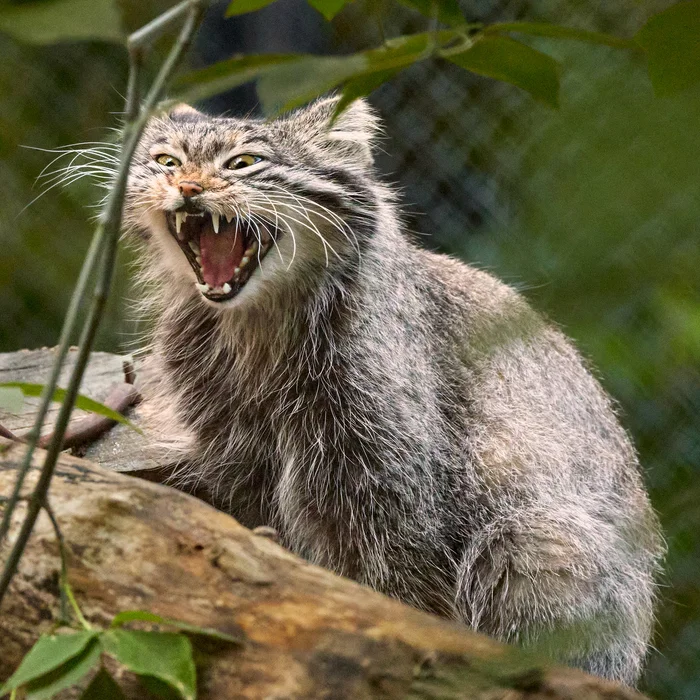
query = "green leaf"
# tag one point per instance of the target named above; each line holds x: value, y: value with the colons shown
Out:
x: 401, y: 51
x: 447, y: 10
x: 11, y: 399
x: 671, y: 40
x: 296, y: 83
x: 145, y: 616
x: 49, y: 652
x: 66, y: 675
x: 83, y: 402
x: 162, y: 655
x: 508, y: 60
x: 53, y: 21
x: 554, y: 31
x: 290, y: 80
x: 299, y: 82
x: 222, y: 76
x: 362, y: 86
x: 103, y: 687
x: 159, y: 689
x: 328, y: 8
x: 241, y: 7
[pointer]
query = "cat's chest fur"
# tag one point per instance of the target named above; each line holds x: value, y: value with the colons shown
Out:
x: 255, y: 402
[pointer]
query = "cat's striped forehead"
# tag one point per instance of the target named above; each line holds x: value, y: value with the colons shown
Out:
x: 313, y: 134
x: 205, y: 138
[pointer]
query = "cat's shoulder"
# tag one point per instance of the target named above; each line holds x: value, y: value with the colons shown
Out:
x: 476, y: 296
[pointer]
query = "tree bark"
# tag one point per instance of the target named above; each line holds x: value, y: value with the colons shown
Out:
x: 308, y: 634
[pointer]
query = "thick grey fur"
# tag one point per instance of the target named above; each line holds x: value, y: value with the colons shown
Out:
x: 398, y: 416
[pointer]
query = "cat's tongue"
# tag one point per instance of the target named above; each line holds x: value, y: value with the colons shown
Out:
x: 221, y: 254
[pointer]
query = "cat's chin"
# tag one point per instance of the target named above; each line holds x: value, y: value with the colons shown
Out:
x: 241, y: 297
x: 223, y: 252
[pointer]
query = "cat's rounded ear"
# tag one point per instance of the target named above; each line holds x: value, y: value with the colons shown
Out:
x: 182, y: 111
x: 350, y: 133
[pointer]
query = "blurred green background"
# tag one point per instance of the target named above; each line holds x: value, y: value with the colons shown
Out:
x: 591, y: 210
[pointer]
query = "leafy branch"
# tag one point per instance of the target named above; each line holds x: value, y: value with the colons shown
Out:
x: 100, y: 261
x: 12, y: 395
x: 668, y: 41
x: 59, y: 661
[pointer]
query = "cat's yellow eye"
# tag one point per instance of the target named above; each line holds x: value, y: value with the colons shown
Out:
x: 242, y: 161
x: 168, y: 161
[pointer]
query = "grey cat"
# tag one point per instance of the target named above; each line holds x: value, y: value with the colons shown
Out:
x: 399, y: 417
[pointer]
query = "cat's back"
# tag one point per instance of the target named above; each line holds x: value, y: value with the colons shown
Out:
x: 536, y: 417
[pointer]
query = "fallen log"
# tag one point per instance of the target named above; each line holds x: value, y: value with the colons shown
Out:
x: 308, y: 634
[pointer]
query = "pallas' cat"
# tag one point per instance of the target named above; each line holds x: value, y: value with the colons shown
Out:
x: 398, y: 416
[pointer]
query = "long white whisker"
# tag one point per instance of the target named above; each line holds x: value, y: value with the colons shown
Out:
x: 274, y: 240
x: 336, y: 221
x: 280, y: 218
x: 311, y: 226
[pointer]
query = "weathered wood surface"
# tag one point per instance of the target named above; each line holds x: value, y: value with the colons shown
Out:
x: 121, y: 448
x: 308, y: 633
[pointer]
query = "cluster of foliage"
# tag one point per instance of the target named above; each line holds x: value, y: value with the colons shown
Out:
x: 285, y: 81
x: 162, y: 660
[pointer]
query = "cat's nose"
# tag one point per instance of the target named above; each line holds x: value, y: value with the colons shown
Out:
x: 190, y: 189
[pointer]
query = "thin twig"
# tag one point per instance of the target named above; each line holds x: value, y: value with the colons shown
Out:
x: 129, y: 370
x: 4, y: 432
x: 69, y: 325
x: 64, y: 619
x: 434, y: 18
x: 133, y: 88
x: 107, y: 235
x: 379, y: 16
x: 86, y: 430
x: 67, y: 596
x: 146, y: 35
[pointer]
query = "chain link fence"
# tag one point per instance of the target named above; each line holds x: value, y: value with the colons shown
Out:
x: 591, y: 210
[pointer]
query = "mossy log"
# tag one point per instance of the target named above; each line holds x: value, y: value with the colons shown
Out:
x: 308, y: 634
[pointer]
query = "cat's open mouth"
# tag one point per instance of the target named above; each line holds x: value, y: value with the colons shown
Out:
x: 223, y: 252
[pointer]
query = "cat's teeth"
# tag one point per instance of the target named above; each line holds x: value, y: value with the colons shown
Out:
x: 252, y: 249
x: 195, y: 248
x: 245, y: 261
x: 204, y: 288
x: 180, y: 216
x: 226, y: 288
x: 237, y: 272
x: 215, y: 221
x: 229, y: 218
x: 198, y: 258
